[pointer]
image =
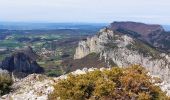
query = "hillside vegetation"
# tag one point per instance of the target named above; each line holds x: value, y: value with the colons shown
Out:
x: 116, y: 83
x: 5, y: 82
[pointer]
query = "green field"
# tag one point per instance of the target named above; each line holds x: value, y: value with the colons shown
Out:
x: 60, y: 44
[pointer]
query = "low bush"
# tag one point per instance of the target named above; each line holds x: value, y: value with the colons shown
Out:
x: 5, y: 82
x: 114, y: 84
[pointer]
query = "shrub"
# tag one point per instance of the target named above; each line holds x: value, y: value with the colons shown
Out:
x: 116, y: 83
x: 55, y: 73
x: 5, y: 82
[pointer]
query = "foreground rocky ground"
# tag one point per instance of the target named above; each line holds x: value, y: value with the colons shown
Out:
x: 38, y: 87
x: 32, y: 87
x: 35, y: 86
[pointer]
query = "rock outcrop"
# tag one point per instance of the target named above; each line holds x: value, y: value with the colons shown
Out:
x: 37, y: 86
x: 3, y: 72
x: 22, y: 61
x: 32, y: 87
x: 124, y: 50
x: 153, y: 34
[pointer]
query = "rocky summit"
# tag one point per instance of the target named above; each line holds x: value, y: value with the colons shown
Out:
x: 153, y: 34
x: 22, y: 61
x: 124, y: 50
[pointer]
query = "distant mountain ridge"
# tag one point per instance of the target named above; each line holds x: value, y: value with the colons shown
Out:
x: 153, y: 34
x: 140, y: 28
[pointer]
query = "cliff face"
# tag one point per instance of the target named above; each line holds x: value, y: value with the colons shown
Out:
x: 23, y: 61
x: 124, y: 50
x: 94, y: 44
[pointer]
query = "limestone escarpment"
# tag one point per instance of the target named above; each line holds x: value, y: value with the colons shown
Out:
x: 124, y: 50
x: 22, y: 61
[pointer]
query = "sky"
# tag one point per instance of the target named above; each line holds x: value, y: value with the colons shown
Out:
x: 91, y: 11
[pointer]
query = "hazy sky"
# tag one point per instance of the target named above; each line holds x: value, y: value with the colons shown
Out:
x: 149, y: 11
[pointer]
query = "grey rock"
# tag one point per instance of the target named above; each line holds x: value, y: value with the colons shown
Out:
x: 22, y: 61
x: 125, y: 51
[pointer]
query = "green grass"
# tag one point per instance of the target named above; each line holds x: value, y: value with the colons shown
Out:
x: 2, y: 57
x: 55, y: 73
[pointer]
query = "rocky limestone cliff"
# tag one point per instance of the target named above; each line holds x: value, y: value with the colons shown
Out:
x: 22, y: 61
x: 124, y: 50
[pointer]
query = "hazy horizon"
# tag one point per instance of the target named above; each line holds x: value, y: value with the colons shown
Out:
x: 51, y: 26
x: 85, y: 11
